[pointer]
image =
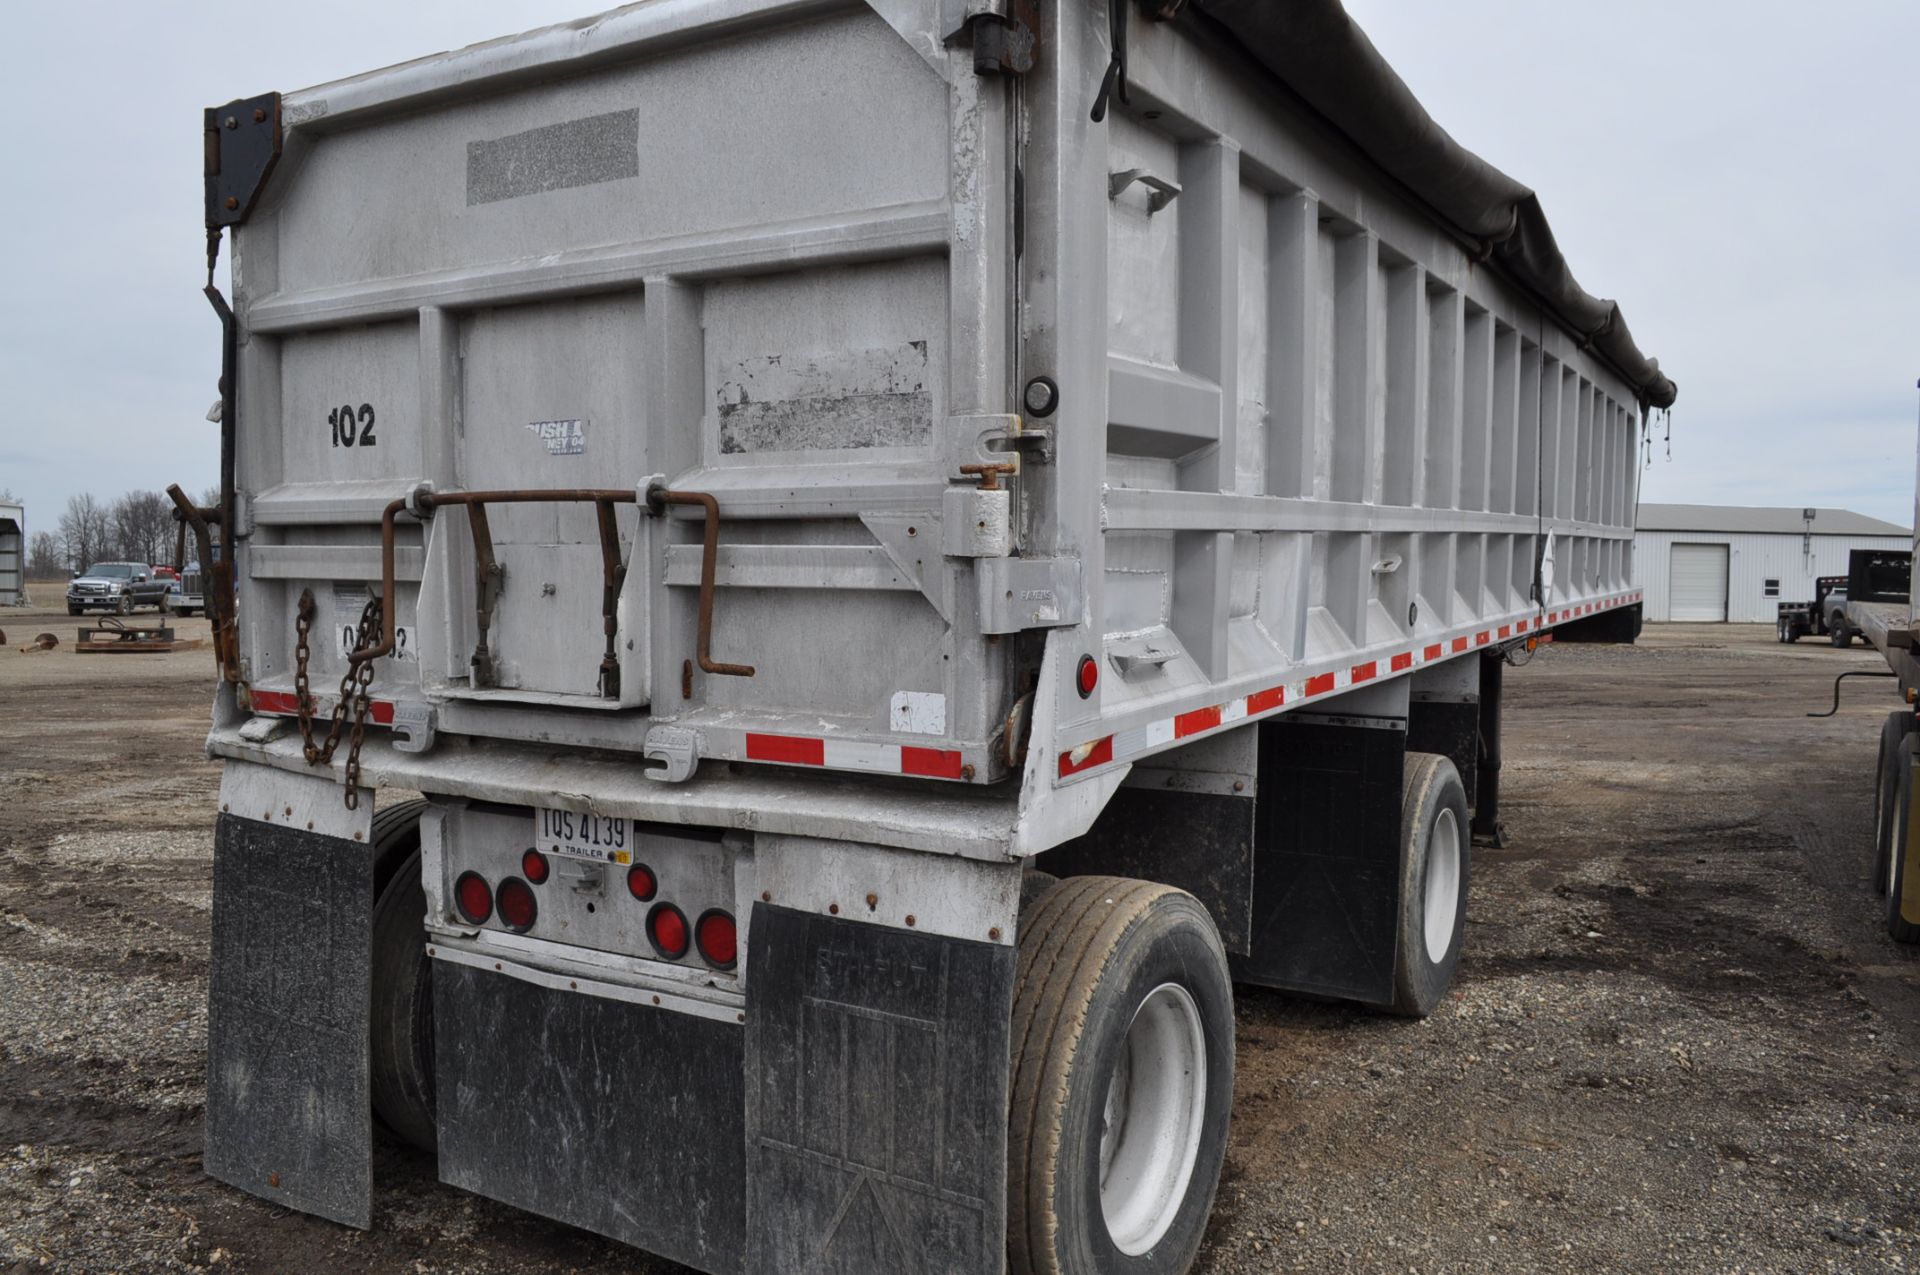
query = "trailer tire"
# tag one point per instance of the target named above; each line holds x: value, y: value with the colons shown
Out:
x: 401, y: 1023
x: 1899, y: 928
x: 1122, y: 1080
x: 1899, y: 724
x: 1034, y: 885
x: 1436, y: 867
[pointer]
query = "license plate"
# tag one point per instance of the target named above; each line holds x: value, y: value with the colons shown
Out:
x: 577, y: 834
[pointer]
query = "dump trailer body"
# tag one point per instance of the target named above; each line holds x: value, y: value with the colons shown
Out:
x: 768, y: 471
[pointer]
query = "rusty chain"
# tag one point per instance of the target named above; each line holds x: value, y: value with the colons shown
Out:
x: 355, y: 693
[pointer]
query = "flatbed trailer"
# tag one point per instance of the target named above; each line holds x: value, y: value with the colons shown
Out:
x: 909, y: 548
x: 1813, y: 618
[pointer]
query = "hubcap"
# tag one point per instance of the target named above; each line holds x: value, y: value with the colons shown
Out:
x: 1442, y: 902
x: 1151, y: 1125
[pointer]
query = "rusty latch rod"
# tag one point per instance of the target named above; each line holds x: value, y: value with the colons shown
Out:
x: 216, y: 581
x: 989, y: 475
x: 657, y: 500
x: 476, y: 502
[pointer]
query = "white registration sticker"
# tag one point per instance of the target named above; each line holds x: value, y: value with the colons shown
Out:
x: 579, y: 835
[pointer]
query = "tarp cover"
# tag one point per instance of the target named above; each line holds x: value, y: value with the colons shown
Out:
x: 1323, y: 55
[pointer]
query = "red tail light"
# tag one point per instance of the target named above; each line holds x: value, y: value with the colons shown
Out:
x: 641, y: 884
x: 517, y: 905
x: 667, y: 930
x: 1087, y: 676
x: 717, y: 939
x: 533, y: 866
x: 474, y: 897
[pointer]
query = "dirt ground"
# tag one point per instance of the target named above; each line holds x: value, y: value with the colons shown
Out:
x: 1680, y: 1040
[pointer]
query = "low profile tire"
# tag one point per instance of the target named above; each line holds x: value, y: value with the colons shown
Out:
x: 402, y: 1015
x: 1436, y: 866
x: 1899, y: 724
x: 1122, y: 1080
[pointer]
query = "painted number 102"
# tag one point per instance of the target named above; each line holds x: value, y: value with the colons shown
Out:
x: 352, y: 427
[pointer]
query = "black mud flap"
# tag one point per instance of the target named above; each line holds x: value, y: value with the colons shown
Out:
x: 877, y: 1104
x: 1326, y: 876
x: 288, y: 1102
x: 620, y: 1118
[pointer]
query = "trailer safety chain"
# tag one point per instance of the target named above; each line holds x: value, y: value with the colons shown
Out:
x: 355, y: 696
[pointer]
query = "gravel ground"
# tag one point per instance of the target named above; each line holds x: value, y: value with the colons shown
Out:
x: 1679, y: 1041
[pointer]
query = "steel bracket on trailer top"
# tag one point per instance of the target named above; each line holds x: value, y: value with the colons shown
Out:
x: 243, y: 144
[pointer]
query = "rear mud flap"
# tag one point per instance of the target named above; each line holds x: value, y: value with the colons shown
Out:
x: 1326, y: 877
x: 620, y: 1118
x: 877, y: 1069
x: 288, y: 1103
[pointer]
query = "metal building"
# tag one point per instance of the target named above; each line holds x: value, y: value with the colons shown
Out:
x: 13, y: 555
x: 1719, y: 563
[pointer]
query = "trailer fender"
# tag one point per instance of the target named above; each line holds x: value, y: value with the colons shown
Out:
x: 288, y: 1090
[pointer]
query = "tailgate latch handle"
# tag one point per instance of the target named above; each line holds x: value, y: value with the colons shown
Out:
x: 658, y: 498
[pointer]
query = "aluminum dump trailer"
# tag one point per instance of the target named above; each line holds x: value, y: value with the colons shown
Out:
x: 909, y: 547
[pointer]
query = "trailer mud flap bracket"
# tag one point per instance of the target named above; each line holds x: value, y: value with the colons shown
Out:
x: 289, y: 1115
x: 877, y: 1076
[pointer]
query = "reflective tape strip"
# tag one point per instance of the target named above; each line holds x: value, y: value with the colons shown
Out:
x: 1139, y: 741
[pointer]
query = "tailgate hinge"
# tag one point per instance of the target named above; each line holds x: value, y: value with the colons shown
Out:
x: 1003, y: 45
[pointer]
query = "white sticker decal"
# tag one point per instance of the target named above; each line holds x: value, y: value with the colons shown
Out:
x: 348, y: 606
x: 563, y: 438
x: 919, y: 713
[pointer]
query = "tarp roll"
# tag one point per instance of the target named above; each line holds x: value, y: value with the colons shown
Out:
x: 1322, y: 55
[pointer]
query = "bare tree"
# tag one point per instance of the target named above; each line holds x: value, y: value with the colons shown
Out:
x: 43, y: 557
x: 84, y: 531
x: 142, y: 523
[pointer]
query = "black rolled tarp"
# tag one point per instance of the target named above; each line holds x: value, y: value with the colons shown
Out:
x: 1322, y: 55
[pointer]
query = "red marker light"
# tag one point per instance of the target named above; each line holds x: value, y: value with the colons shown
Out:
x: 667, y: 930
x: 641, y: 884
x: 717, y: 939
x: 517, y: 905
x: 1087, y: 677
x: 533, y: 865
x: 474, y: 897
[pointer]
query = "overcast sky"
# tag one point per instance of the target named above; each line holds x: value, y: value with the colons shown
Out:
x: 1740, y: 175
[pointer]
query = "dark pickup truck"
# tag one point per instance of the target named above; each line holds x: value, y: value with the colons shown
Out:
x: 116, y: 586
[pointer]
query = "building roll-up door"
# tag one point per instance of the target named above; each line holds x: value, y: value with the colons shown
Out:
x: 1697, y: 583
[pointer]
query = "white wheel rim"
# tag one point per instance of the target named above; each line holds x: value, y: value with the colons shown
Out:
x: 1151, y: 1125
x: 1442, y: 894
